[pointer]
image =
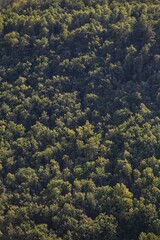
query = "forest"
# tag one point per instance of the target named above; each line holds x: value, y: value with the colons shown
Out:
x: 80, y: 120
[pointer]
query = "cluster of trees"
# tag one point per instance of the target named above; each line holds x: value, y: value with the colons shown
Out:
x: 80, y: 120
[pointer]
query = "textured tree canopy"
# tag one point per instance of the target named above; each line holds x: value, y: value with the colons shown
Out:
x: 80, y: 120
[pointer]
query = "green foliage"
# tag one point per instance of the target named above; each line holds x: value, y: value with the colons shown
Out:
x: 79, y: 120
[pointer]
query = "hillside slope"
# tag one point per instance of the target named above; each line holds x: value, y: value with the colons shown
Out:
x: 80, y: 120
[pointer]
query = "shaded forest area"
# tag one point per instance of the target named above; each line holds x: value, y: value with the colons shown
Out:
x: 80, y: 120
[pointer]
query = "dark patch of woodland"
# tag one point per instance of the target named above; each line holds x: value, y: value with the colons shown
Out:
x: 80, y: 120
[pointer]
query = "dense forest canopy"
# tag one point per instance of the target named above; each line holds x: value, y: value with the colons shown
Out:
x: 80, y: 120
